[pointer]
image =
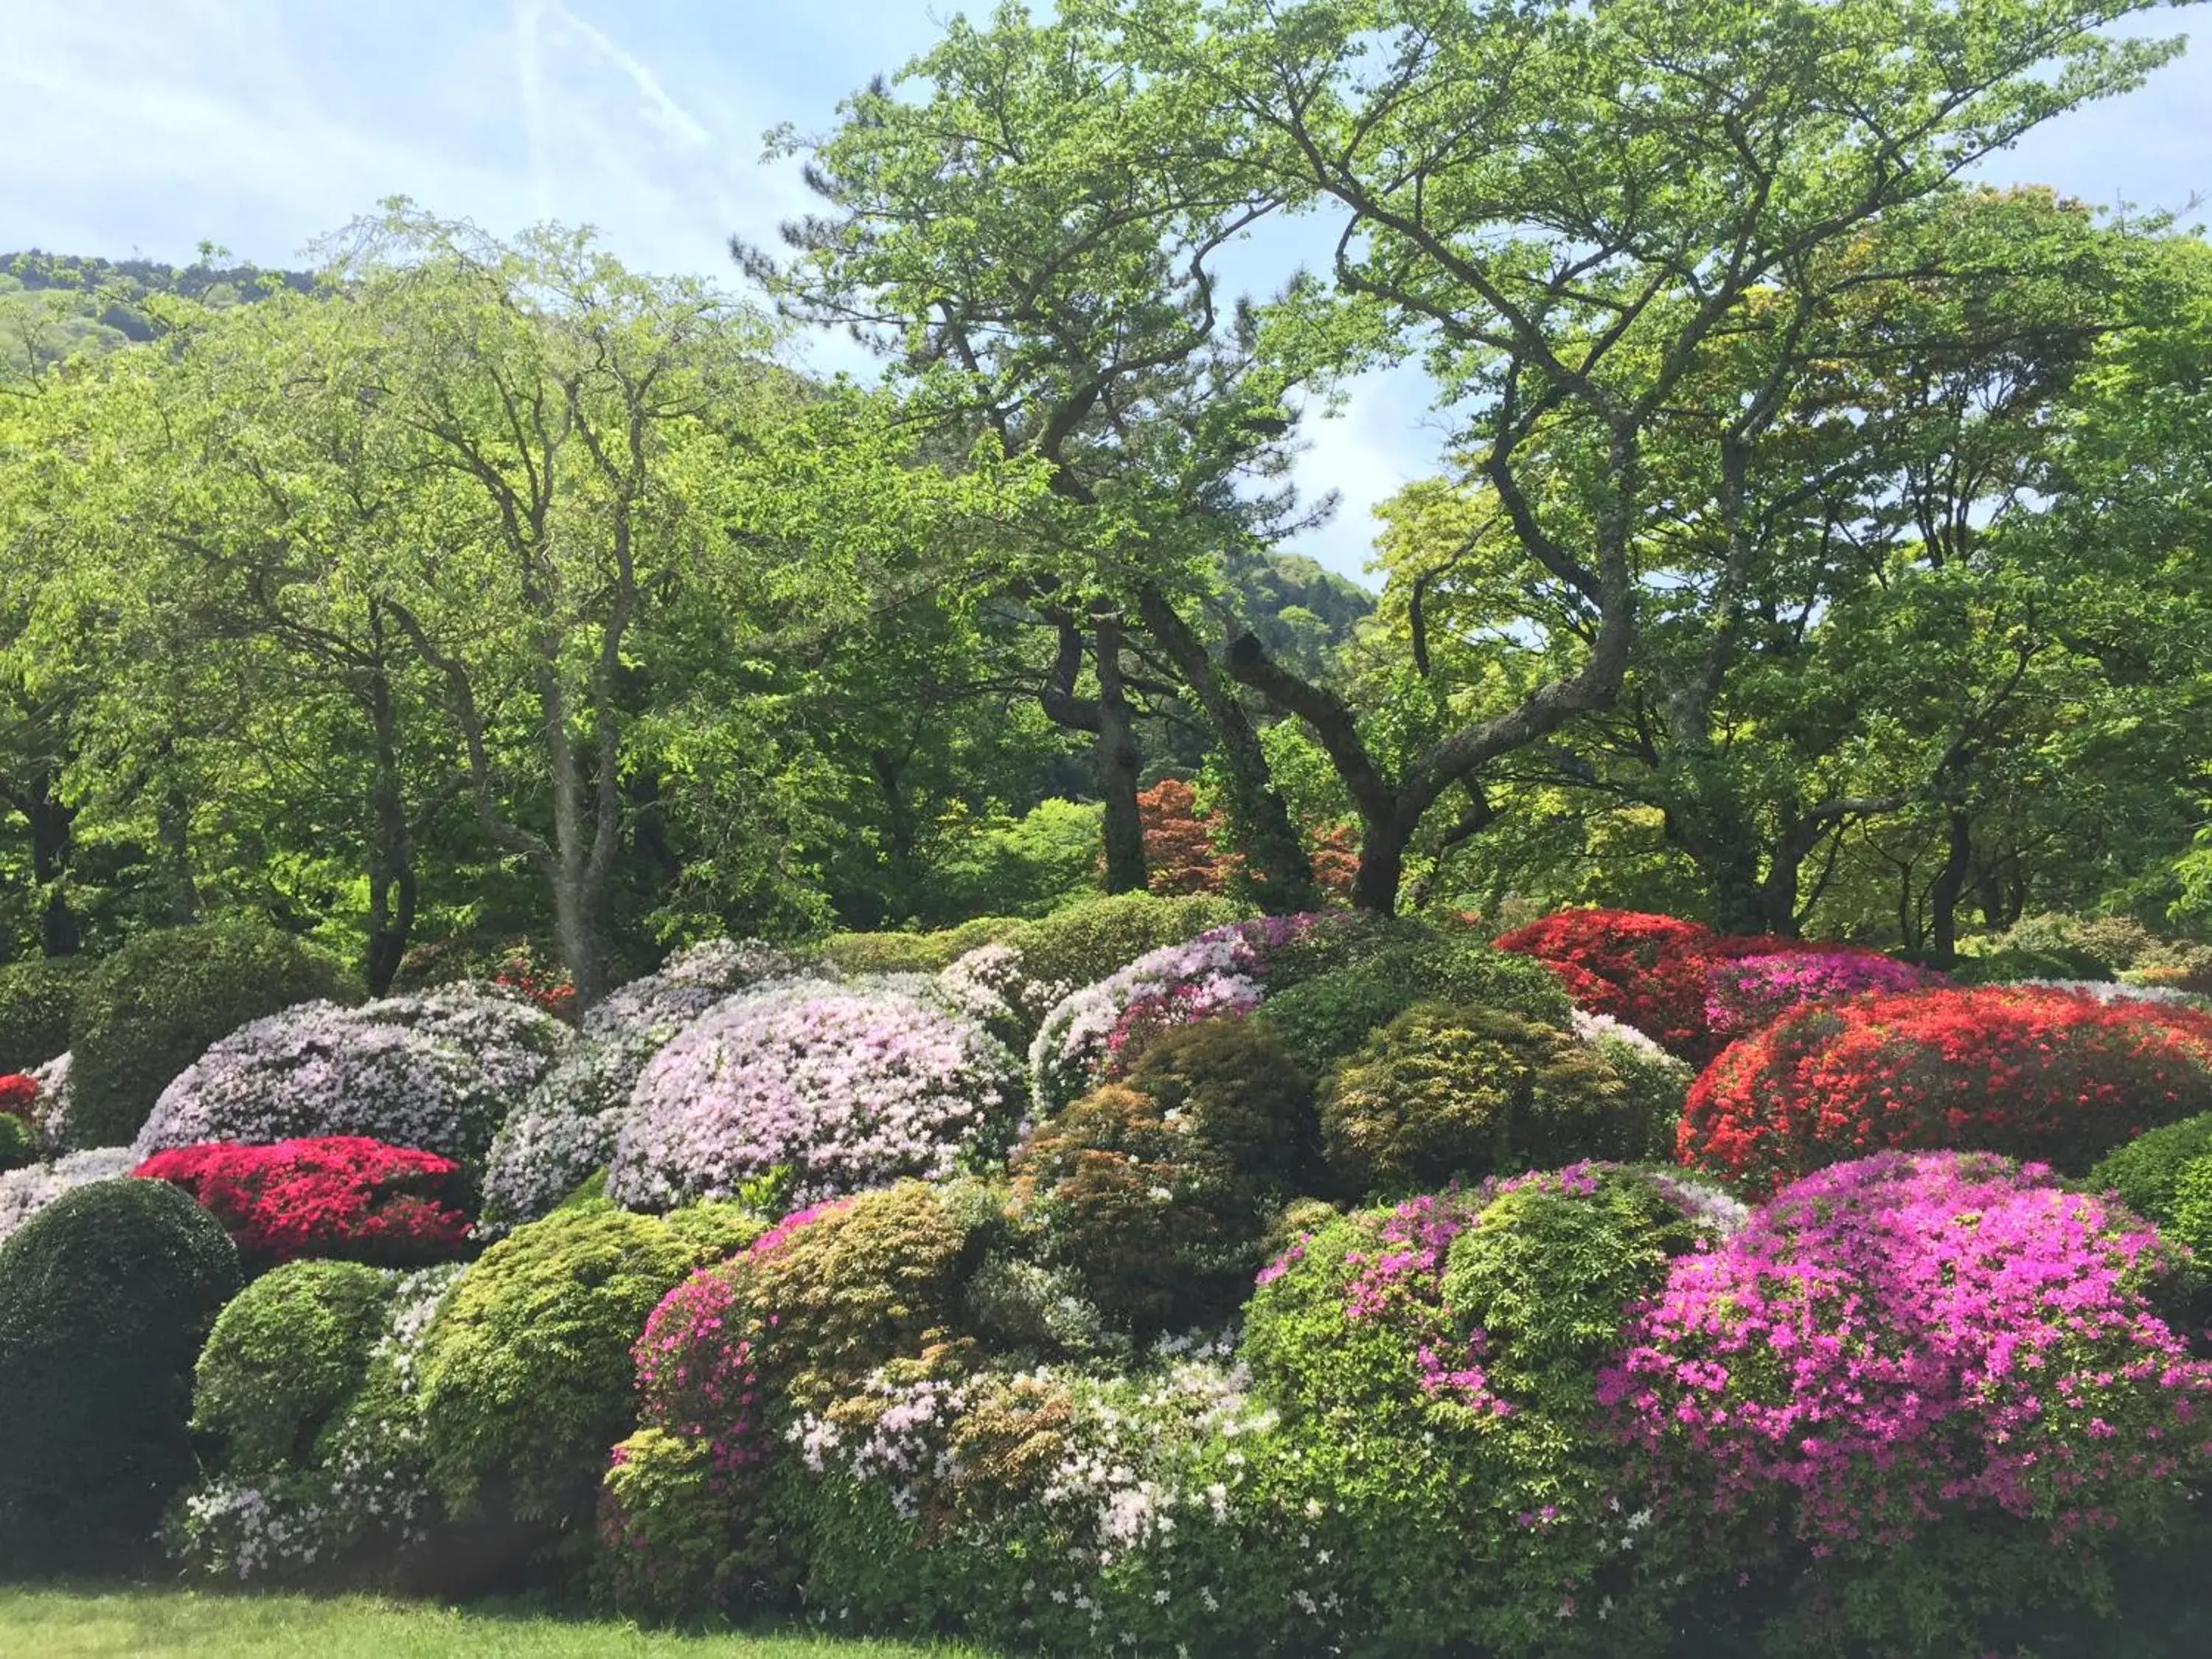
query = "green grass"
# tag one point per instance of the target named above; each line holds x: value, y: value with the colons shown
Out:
x: 177, y: 1624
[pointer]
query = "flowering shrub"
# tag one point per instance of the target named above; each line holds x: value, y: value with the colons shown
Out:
x: 1153, y: 1196
x: 1444, y: 1092
x: 357, y: 1507
x: 1657, y: 1083
x: 1224, y: 970
x: 343, y: 1196
x: 525, y: 1373
x: 1743, y: 992
x: 1648, y: 971
x: 105, y: 1299
x: 145, y: 1013
x: 2033, y: 1073
x: 990, y: 985
x: 1436, y: 1364
x: 319, y: 1069
x: 546, y: 987
x: 564, y: 1130
x: 50, y: 1108
x: 511, y: 1042
x: 19, y: 1096
x: 693, y: 981
x: 1908, y: 1343
x: 26, y: 1191
x: 1082, y: 943
x: 844, y: 1088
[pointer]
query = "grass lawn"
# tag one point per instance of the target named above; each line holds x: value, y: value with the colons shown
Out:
x: 176, y: 1624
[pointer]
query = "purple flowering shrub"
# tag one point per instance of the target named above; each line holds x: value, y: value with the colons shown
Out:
x: 1744, y: 993
x: 1911, y: 1360
x: 845, y: 1087
x: 1436, y: 1364
x: 1097, y: 1033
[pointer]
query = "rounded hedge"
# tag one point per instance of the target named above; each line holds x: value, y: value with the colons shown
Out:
x: 106, y: 1296
x: 526, y: 1374
x: 35, y: 999
x: 2146, y: 1173
x: 1086, y: 941
x: 147, y: 1013
x: 1644, y: 970
x: 285, y: 1353
x: 1328, y: 1016
x: 2048, y: 1075
x: 1443, y: 1093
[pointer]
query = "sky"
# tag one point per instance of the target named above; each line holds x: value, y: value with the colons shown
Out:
x: 148, y: 126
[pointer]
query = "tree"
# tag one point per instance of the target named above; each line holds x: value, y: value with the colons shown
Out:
x: 1565, y: 210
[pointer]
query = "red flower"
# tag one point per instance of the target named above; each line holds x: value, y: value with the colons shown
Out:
x: 343, y: 1196
x: 1645, y: 970
x: 18, y: 1094
x: 2028, y: 1072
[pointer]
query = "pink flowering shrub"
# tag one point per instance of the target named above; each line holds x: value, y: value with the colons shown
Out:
x: 847, y: 1088
x: 1907, y: 1344
x: 1744, y: 993
x: 1435, y: 1366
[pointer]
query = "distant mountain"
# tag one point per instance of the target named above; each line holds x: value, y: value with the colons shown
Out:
x: 98, y: 304
x: 1302, y: 613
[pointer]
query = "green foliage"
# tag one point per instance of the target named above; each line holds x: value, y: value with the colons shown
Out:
x: 105, y: 1298
x: 667, y: 1547
x: 1234, y: 1088
x: 1085, y: 942
x: 148, y: 1011
x: 18, y: 1142
x: 2011, y: 962
x: 1442, y: 1093
x: 35, y: 999
x: 2146, y: 1172
x: 526, y: 1374
x: 1026, y: 867
x: 1327, y: 1017
x: 285, y: 1353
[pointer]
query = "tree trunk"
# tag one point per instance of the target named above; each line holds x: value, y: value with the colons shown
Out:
x: 1275, y: 864
x: 391, y: 886
x: 173, y: 820
x: 1949, y: 885
x: 1118, y: 763
x: 61, y: 933
x: 1382, y: 843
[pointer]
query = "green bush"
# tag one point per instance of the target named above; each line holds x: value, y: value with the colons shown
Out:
x: 35, y: 999
x: 1442, y: 1093
x: 284, y: 1355
x: 2013, y: 962
x: 105, y: 1298
x: 2190, y: 1220
x: 526, y: 1374
x: 908, y: 952
x: 666, y: 1545
x: 1085, y: 942
x: 2146, y: 1172
x: 149, y: 1011
x: 18, y: 1142
x: 1327, y: 1017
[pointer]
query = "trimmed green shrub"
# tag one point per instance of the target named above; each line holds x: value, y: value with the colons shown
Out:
x: 35, y: 999
x: 284, y: 1355
x: 1442, y: 1093
x: 2005, y: 966
x: 526, y: 1374
x: 149, y: 1012
x: 2146, y: 1172
x: 105, y: 1298
x: 1327, y: 1017
x: 18, y: 1142
x: 908, y: 952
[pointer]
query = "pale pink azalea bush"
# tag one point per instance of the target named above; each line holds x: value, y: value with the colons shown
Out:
x: 693, y: 981
x: 1907, y: 1344
x: 846, y: 1087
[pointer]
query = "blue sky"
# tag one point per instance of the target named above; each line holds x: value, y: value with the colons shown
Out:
x: 147, y: 125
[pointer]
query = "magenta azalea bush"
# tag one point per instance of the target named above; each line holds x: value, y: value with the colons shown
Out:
x: 845, y: 1087
x: 1744, y: 993
x: 1909, y: 1340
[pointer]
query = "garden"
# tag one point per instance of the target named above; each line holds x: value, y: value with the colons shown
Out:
x: 661, y: 995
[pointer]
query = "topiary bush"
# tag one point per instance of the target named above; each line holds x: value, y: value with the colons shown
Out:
x: 342, y: 1196
x: 1442, y: 1093
x: 35, y: 999
x: 285, y: 1353
x: 2013, y: 963
x: 2050, y: 1075
x: 843, y: 1087
x: 1435, y: 1366
x: 526, y: 1374
x: 24, y: 1192
x: 1086, y: 941
x: 1328, y: 1016
x: 147, y: 1013
x: 105, y: 1298
x: 1926, y: 1393
x: 2146, y: 1173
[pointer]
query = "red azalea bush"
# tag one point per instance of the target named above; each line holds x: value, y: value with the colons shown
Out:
x: 19, y: 1096
x: 2029, y: 1071
x: 1908, y: 1341
x: 1645, y: 970
x: 341, y: 1196
x: 549, y: 987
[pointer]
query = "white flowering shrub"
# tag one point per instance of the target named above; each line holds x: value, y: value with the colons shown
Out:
x: 319, y: 1069
x: 564, y: 1130
x: 1658, y: 1083
x: 25, y: 1192
x: 365, y: 1495
x: 2113, y: 990
x: 990, y: 985
x: 846, y: 1087
x: 52, y: 1108
x: 693, y: 981
x: 513, y: 1042
x: 1218, y: 972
